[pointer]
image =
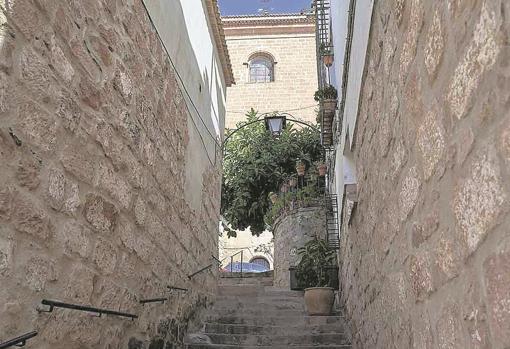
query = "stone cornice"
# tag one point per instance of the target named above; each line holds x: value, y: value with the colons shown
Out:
x: 219, y: 38
x: 268, y: 20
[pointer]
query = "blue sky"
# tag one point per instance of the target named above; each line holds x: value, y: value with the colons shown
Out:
x: 247, y: 7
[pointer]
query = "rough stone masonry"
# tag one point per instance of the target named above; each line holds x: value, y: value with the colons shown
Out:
x: 93, y: 135
x: 426, y: 259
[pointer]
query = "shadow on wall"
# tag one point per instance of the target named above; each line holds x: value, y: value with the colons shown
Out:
x: 94, y: 147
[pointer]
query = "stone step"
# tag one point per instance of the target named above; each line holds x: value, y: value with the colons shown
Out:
x: 260, y: 299
x: 251, y: 291
x: 288, y: 329
x: 236, y: 346
x: 227, y: 279
x: 254, y: 306
x: 281, y: 339
x: 274, y: 320
x: 261, y: 311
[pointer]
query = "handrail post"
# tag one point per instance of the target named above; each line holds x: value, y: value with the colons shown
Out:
x: 231, y: 263
x: 242, y: 263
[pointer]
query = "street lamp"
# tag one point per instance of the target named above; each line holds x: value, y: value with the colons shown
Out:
x: 275, y: 124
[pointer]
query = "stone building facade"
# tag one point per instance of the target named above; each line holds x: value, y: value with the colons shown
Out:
x: 425, y: 253
x: 96, y: 136
x: 288, y: 41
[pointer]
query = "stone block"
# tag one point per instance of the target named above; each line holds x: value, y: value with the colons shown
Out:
x: 36, y: 126
x: 78, y: 162
x: 90, y: 94
x: 435, y: 45
x: 80, y: 285
x: 26, y: 16
x: 409, y: 193
x: 30, y: 219
x: 69, y: 111
x: 105, y: 256
x: 479, y: 57
x: 6, y: 255
x: 140, y: 210
x: 63, y: 194
x: 113, y: 184
x: 7, y: 195
x: 28, y: 172
x: 497, y: 284
x: 478, y: 199
x: 38, y: 272
x: 431, y: 142
x: 421, y: 275
x: 449, y: 329
x: 101, y: 214
x: 60, y: 62
x: 75, y: 239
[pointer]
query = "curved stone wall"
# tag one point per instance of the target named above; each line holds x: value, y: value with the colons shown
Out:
x: 291, y: 231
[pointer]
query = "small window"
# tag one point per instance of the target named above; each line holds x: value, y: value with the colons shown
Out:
x: 261, y: 69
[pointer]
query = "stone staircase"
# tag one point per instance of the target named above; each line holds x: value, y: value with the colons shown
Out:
x: 251, y: 313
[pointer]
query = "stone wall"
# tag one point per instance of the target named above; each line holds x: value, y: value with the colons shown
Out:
x: 425, y: 261
x: 295, y: 74
x: 291, y: 231
x: 93, y: 137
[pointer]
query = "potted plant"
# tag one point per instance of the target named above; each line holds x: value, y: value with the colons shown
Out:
x: 327, y: 55
x: 273, y: 197
x: 327, y: 96
x: 322, y: 168
x: 316, y: 256
x: 300, y: 168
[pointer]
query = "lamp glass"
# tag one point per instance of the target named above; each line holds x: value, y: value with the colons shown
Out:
x: 275, y: 125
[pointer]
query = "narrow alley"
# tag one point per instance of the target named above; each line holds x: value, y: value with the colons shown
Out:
x: 192, y: 174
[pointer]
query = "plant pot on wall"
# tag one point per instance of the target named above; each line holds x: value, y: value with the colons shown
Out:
x: 319, y: 300
x: 322, y: 168
x: 328, y: 59
x: 300, y: 168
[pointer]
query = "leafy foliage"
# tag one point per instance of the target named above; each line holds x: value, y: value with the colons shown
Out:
x: 315, y: 255
x: 303, y: 197
x: 255, y: 164
x: 328, y: 92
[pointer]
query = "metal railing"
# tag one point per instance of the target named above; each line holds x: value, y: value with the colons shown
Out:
x: 89, y: 309
x: 18, y: 341
x: 207, y: 267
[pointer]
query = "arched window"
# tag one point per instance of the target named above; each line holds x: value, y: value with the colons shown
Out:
x: 261, y: 261
x: 261, y: 68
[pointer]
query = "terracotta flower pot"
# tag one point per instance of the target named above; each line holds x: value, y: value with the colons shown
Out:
x: 300, y: 169
x: 319, y: 300
x: 322, y: 168
x: 328, y: 59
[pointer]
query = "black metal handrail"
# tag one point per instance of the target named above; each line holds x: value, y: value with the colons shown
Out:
x: 18, y: 341
x: 177, y: 288
x: 57, y: 304
x: 191, y: 276
x: 153, y: 300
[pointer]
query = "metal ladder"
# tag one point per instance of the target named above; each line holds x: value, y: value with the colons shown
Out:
x: 332, y: 224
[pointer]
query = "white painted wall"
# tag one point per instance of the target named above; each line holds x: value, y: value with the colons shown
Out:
x: 345, y: 168
x: 185, y: 30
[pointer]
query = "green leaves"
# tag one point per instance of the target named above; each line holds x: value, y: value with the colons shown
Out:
x: 315, y: 255
x: 256, y: 164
